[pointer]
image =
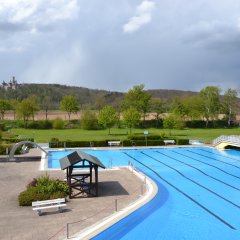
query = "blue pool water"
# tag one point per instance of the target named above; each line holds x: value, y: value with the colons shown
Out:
x: 198, y: 193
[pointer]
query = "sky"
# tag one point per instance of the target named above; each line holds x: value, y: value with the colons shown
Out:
x: 114, y: 45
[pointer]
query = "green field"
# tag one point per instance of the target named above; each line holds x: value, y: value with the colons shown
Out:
x: 43, y: 136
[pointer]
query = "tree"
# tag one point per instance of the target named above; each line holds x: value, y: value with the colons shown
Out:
x: 138, y: 99
x: 100, y: 101
x: 158, y: 106
x: 34, y: 108
x: 108, y: 117
x: 46, y: 105
x: 173, y: 122
x: 210, y: 97
x: 69, y: 104
x: 131, y: 118
x: 229, y: 104
x: 89, y: 120
x: 4, y: 106
x: 24, y: 110
x: 178, y: 108
x: 193, y: 106
x: 14, y: 105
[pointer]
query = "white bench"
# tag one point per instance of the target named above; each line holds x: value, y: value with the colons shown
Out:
x: 169, y: 142
x: 46, y: 204
x: 114, y: 143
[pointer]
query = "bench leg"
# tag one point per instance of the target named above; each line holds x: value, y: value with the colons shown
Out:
x: 39, y: 212
x: 60, y: 209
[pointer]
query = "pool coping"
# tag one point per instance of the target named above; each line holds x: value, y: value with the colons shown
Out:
x: 98, y: 227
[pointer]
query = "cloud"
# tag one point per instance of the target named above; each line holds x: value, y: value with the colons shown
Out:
x: 37, y: 13
x: 23, y: 21
x: 214, y: 35
x: 143, y: 16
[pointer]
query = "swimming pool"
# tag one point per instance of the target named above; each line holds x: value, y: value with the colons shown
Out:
x: 198, y: 196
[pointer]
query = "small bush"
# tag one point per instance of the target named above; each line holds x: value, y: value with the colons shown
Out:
x: 58, y: 123
x: 143, y: 137
x: 43, y: 188
x: 2, y: 126
x: 89, y: 120
x: 26, y: 197
x: 73, y: 144
x: 127, y: 143
x: 182, y: 141
x: 5, y: 146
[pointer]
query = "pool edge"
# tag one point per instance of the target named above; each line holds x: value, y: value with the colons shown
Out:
x: 100, y: 226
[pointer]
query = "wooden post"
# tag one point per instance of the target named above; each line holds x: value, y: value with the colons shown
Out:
x: 96, y: 179
x: 69, y: 176
x: 91, y: 174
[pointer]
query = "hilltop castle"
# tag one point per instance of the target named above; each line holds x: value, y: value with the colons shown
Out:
x: 12, y: 84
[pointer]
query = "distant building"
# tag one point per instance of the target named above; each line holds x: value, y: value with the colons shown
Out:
x: 12, y: 84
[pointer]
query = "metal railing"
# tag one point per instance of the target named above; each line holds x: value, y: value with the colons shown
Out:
x: 223, y: 138
x: 117, y: 205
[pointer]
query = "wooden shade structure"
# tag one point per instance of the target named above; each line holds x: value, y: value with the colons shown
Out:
x: 82, y: 181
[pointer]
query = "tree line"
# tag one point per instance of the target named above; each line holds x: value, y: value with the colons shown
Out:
x: 136, y: 104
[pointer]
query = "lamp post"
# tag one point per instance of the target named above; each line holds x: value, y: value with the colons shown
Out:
x: 145, y: 133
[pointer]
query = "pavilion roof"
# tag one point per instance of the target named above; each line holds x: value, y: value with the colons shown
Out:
x: 79, y: 156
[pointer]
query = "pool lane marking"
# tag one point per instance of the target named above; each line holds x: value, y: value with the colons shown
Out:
x: 214, y: 159
x: 210, y: 165
x: 193, y: 181
x: 190, y: 165
x: 185, y: 194
x: 220, y: 155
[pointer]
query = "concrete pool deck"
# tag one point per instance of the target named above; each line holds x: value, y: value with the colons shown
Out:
x: 23, y: 223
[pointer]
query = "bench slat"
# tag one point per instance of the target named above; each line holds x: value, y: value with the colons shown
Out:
x: 45, y: 202
x: 50, y: 206
x: 169, y: 141
x: 114, y: 143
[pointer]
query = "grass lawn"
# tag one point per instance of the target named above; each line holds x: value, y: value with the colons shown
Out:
x: 43, y: 136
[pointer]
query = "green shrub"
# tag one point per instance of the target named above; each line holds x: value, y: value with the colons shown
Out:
x: 58, y: 123
x: 3, y: 148
x: 2, y: 126
x: 143, y: 137
x: 127, y: 143
x: 45, y: 184
x: 26, y: 197
x: 149, y: 143
x: 89, y: 120
x: 182, y: 141
x: 73, y: 144
x: 43, y: 188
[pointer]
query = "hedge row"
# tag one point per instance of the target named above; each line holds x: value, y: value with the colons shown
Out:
x: 16, y: 139
x: 125, y: 143
x: 182, y: 141
x: 149, y: 137
x: 4, y: 147
x: 69, y: 144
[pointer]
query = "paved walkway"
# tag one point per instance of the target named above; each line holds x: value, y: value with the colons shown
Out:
x: 22, y: 223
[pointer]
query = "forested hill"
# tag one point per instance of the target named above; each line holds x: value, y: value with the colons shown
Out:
x: 87, y: 97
